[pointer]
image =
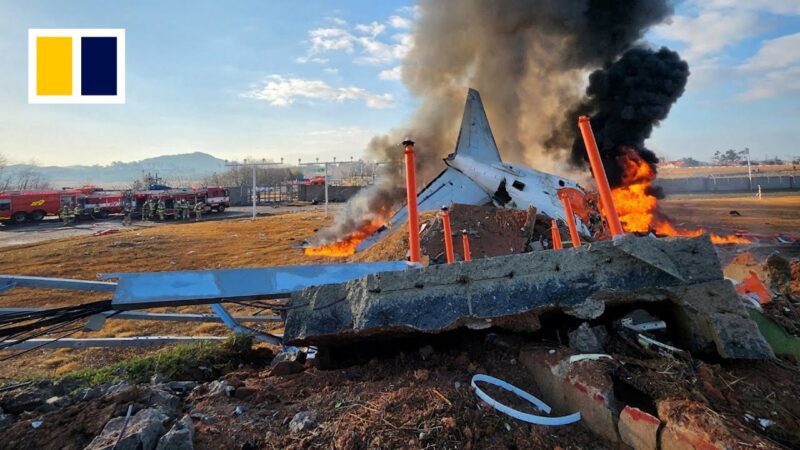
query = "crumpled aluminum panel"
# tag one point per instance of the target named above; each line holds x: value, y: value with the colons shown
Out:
x: 149, y: 289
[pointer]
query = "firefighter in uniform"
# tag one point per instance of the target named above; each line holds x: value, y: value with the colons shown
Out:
x: 187, y: 210
x: 151, y: 208
x: 77, y: 212
x: 144, y: 210
x: 198, y: 211
x: 66, y: 214
x: 96, y: 211
x: 126, y: 221
x: 161, y: 208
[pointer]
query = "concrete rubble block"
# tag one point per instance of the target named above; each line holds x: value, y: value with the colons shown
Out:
x: 638, y: 428
x: 303, y: 421
x: 142, y: 433
x: 778, y: 271
x: 588, y: 339
x: 692, y: 426
x: 496, y: 291
x: 583, y: 386
x: 179, y: 437
x: 711, y: 318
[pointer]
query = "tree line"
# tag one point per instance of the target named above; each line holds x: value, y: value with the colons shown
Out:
x: 22, y: 180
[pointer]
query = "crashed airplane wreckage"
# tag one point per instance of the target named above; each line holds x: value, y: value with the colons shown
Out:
x: 338, y: 304
x: 476, y: 175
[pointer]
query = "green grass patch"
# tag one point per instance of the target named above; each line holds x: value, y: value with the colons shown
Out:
x: 199, y: 362
x: 780, y: 341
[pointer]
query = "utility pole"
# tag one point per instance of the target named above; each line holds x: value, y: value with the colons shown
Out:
x: 325, y: 164
x: 254, y: 165
x: 749, y: 172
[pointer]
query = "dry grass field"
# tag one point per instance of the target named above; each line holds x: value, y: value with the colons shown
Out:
x: 267, y: 241
x: 775, y: 213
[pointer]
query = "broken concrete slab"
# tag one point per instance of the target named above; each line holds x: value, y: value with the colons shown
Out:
x: 638, y: 428
x: 142, y: 432
x: 710, y: 318
x: 512, y: 291
x: 583, y: 386
x: 496, y: 291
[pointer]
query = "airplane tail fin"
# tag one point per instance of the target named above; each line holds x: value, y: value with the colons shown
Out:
x: 475, y: 137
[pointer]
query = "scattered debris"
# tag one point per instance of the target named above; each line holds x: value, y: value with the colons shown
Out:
x: 586, y: 339
x: 525, y: 417
x: 302, y: 421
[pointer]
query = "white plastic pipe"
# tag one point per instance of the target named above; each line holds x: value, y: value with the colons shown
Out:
x: 525, y: 417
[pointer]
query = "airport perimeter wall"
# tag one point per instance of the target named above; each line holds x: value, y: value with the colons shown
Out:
x: 728, y: 184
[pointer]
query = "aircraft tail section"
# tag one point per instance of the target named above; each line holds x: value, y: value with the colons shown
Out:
x: 475, y: 137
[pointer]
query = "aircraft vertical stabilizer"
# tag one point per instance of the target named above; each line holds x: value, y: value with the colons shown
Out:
x: 475, y: 138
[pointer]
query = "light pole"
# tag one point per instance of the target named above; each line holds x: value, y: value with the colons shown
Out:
x: 749, y: 172
x: 254, y: 165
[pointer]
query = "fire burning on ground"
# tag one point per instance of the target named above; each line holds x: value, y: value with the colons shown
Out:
x: 637, y: 205
x: 347, y: 245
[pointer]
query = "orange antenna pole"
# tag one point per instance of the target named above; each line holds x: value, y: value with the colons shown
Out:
x: 600, y: 176
x: 573, y: 229
x: 556, y: 236
x: 448, y: 236
x: 411, y: 202
x: 465, y: 244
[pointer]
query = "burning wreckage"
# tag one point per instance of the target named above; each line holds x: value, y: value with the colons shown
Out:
x: 606, y: 276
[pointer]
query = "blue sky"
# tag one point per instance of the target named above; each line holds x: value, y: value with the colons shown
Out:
x: 318, y: 78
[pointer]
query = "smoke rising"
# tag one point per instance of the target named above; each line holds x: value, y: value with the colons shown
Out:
x: 528, y: 59
x: 625, y: 100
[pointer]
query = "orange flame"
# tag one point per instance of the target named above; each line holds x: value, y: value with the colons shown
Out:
x: 346, y: 246
x: 638, y: 207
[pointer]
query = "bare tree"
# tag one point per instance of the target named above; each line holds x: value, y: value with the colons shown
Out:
x: 4, y: 181
x: 30, y: 179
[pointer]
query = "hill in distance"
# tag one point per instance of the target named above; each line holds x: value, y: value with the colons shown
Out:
x: 175, y: 169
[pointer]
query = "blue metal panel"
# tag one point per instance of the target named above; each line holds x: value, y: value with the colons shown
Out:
x: 10, y: 281
x: 139, y: 290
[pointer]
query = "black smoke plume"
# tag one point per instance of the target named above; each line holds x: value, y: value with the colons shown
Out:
x: 625, y: 100
x: 528, y: 59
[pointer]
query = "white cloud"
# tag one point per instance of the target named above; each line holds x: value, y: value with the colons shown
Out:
x: 774, y: 70
x: 338, y: 21
x: 366, y: 41
x: 710, y: 31
x: 313, y: 59
x: 395, y: 73
x: 331, y: 70
x: 772, y: 84
x: 791, y: 7
x: 776, y: 53
x: 282, y: 91
x: 400, y: 22
x: 373, y: 29
x: 327, y: 39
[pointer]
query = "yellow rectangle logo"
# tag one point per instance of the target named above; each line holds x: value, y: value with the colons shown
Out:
x: 53, y: 66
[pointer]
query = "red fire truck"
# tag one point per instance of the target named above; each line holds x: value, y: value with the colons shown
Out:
x: 22, y: 206
x: 106, y: 203
x: 217, y: 198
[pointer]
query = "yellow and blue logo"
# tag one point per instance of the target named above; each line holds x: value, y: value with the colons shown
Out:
x: 79, y: 65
